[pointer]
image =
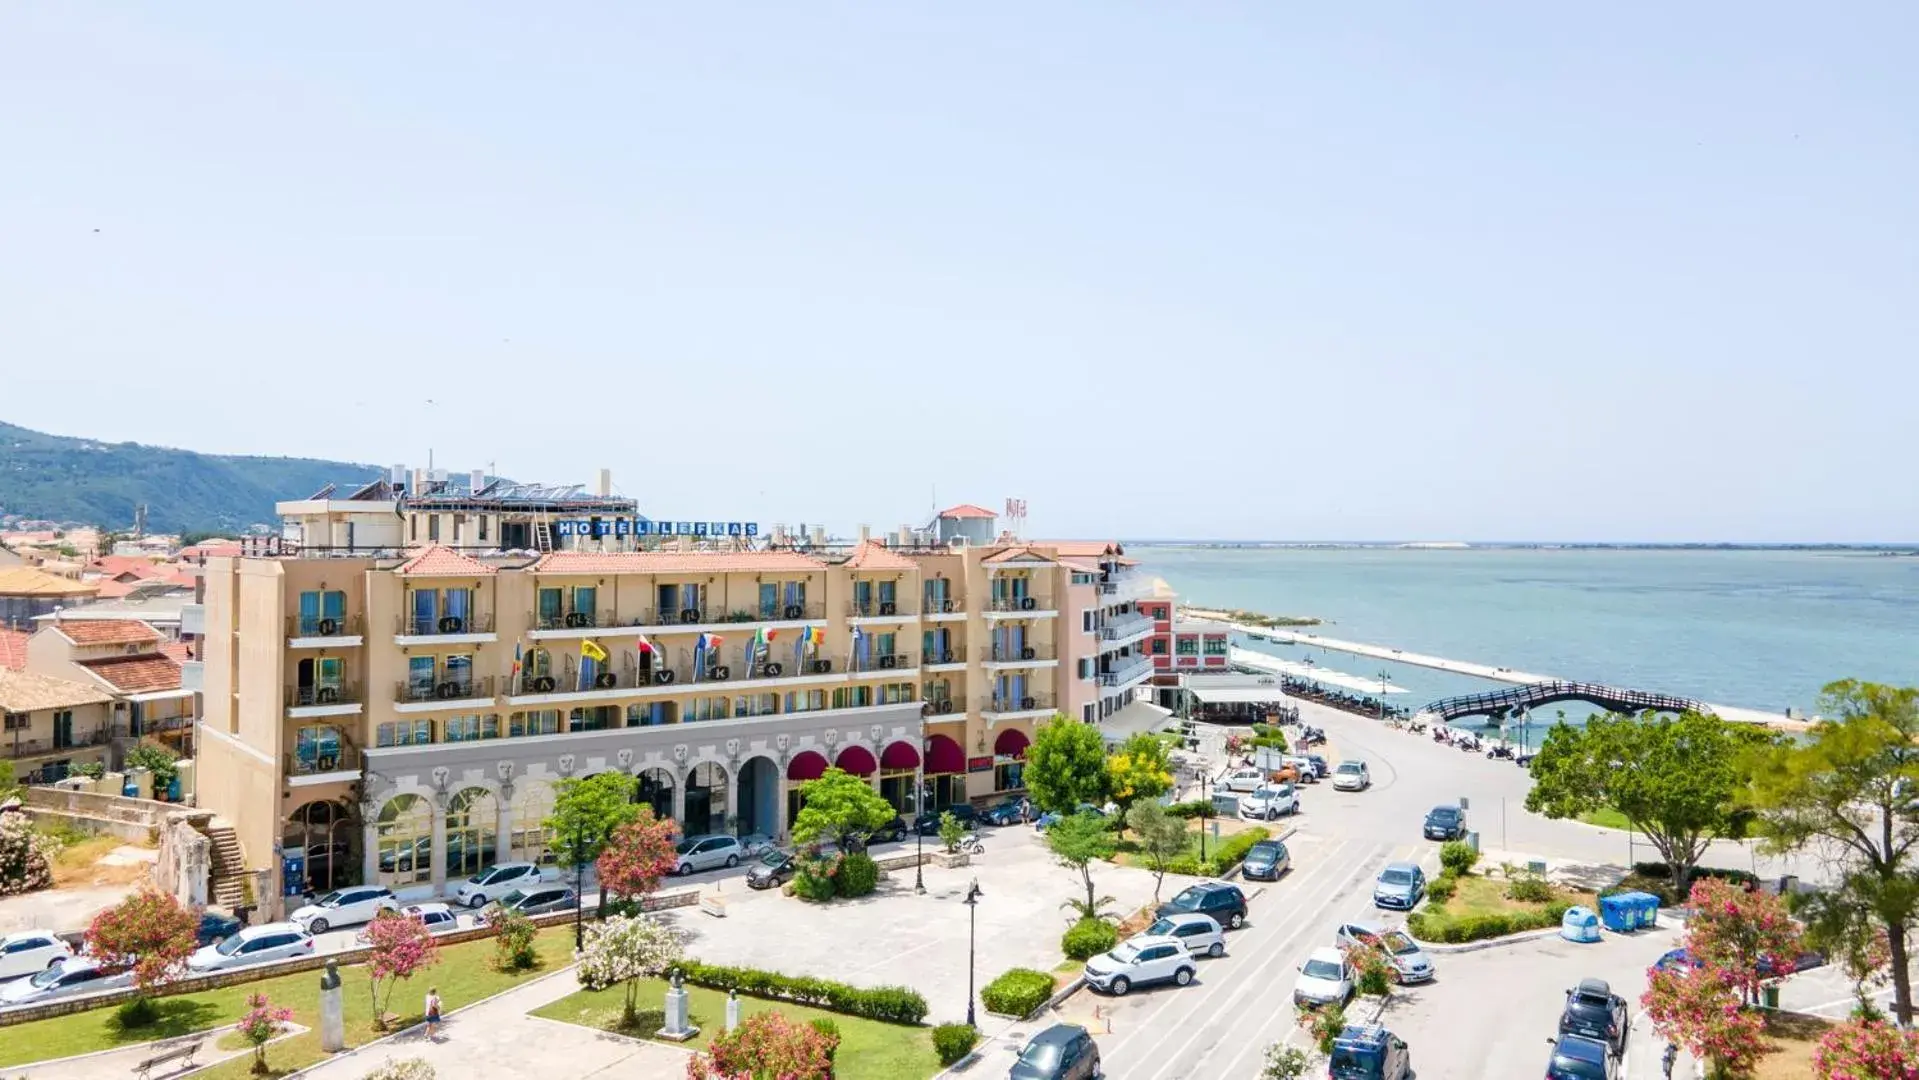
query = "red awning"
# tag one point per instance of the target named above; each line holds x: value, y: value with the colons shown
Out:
x: 1011, y: 743
x: 899, y: 755
x: 944, y: 756
x: 806, y: 765
x: 857, y: 760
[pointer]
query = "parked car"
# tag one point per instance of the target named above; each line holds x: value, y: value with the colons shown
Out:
x: 1321, y: 768
x: 1010, y: 812
x: 1199, y: 933
x: 1401, y: 885
x: 699, y: 853
x: 1265, y: 861
x: 772, y: 869
x: 437, y: 918
x: 1137, y: 961
x: 1593, y: 1010
x: 1326, y: 978
x: 535, y: 900
x: 1303, y: 768
x: 1352, y: 776
x: 1445, y: 823
x: 253, y: 945
x: 1410, y: 962
x: 345, y: 907
x: 494, y: 882
x: 215, y: 928
x: 1576, y: 1057
x: 928, y: 823
x: 1046, y: 820
x: 1269, y: 802
x: 1242, y: 779
x: 1369, y: 1052
x: 1221, y: 900
x: 1767, y: 967
x: 1061, y: 1052
x: 65, y: 979
x: 30, y: 952
x: 896, y: 829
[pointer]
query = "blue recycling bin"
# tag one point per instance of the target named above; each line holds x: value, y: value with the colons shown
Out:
x: 1645, y: 910
x: 1580, y: 924
x: 1623, y: 913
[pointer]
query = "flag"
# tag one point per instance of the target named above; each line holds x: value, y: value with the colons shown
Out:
x: 592, y: 651
x: 643, y: 644
x: 516, y: 659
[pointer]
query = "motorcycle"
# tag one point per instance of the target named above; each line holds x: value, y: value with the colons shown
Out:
x: 1500, y: 751
x: 1418, y: 728
x: 1441, y: 735
x: 1524, y: 760
x: 1311, y: 736
x: 1469, y: 744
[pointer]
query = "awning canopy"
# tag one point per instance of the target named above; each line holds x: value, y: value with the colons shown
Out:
x: 1010, y: 743
x: 899, y: 755
x: 1236, y: 695
x: 944, y: 756
x: 1131, y: 719
x: 806, y: 765
x: 857, y: 760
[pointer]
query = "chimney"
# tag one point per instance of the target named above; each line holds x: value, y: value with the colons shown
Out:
x: 604, y: 486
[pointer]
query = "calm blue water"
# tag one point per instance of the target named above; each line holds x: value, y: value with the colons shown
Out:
x: 1763, y: 629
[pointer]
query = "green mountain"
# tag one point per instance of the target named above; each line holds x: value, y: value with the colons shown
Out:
x: 85, y: 482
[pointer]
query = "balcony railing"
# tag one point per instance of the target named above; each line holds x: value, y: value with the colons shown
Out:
x: 874, y: 609
x: 11, y: 747
x: 1126, y: 673
x: 570, y: 682
x: 1006, y: 654
x: 942, y: 706
x: 1029, y: 703
x: 444, y: 625
x: 337, y: 754
x: 324, y: 626
x: 1125, y: 628
x: 943, y: 605
x: 1021, y: 603
x: 880, y: 662
x: 344, y: 693
x: 954, y: 654
x: 573, y: 620
x: 408, y: 692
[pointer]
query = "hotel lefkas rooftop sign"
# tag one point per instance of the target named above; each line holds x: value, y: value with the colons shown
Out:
x: 623, y: 527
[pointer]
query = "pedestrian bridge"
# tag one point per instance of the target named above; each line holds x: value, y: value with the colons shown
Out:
x: 1496, y: 705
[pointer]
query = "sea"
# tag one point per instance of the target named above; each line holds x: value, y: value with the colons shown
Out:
x: 1763, y: 629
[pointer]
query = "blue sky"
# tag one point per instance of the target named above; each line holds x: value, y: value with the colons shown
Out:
x: 1486, y: 271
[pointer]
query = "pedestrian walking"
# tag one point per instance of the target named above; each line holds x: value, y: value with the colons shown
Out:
x: 433, y: 1014
x: 1671, y: 1058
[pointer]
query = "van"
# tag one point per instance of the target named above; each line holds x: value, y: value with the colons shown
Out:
x: 1369, y: 1052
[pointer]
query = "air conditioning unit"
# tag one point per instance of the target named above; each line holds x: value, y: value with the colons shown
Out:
x: 946, y: 706
x: 794, y: 611
x: 1028, y: 703
x: 889, y: 661
x: 545, y: 684
x: 689, y: 615
x: 575, y: 619
x: 1027, y: 603
x: 889, y: 609
x: 1029, y: 653
x: 327, y: 695
x: 947, y: 607
x: 446, y: 690
x: 820, y: 667
x: 452, y: 624
x: 773, y: 670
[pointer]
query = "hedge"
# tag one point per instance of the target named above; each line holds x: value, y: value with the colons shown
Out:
x: 1088, y: 938
x: 859, y: 875
x: 1661, y: 870
x: 954, y: 1041
x: 1193, y: 808
x: 1017, y: 992
x: 1457, y: 856
x: 1219, y: 859
x: 1452, y: 931
x: 893, y: 1004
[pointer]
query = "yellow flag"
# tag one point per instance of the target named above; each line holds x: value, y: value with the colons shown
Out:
x: 592, y: 651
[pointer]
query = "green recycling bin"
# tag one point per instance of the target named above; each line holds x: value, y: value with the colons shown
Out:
x: 1769, y: 996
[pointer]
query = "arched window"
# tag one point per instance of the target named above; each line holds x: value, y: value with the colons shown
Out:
x: 405, y: 831
x: 472, y: 822
x: 532, y: 803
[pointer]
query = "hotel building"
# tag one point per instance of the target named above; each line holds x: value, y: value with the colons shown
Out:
x: 402, y: 717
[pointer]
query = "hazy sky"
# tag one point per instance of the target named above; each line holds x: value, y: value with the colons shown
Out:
x: 1237, y: 270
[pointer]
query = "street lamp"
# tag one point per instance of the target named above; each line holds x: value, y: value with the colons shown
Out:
x: 1383, y: 679
x: 972, y: 930
x: 579, y: 887
x: 1206, y: 804
x: 919, y: 832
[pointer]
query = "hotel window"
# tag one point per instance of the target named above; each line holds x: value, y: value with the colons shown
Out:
x: 17, y: 722
x: 889, y: 595
x: 883, y: 644
x: 552, y: 608
x: 1008, y: 774
x: 459, y: 673
x: 405, y: 841
x: 1083, y: 579
x: 756, y: 705
x: 713, y: 708
x: 769, y: 600
x: 405, y: 733
x: 472, y: 728
x: 1086, y: 712
x: 1159, y: 646
x: 1187, y: 645
x: 896, y: 693
x: 935, y: 593
x: 1085, y: 668
x: 805, y: 700
x: 593, y: 718
x: 322, y: 612
x: 482, y: 519
x: 793, y: 595
x: 1086, y: 621
x: 532, y: 805
x: 650, y: 715
x: 433, y: 528
x: 1215, y: 646
x: 585, y: 601
x: 537, y: 722
x: 852, y: 697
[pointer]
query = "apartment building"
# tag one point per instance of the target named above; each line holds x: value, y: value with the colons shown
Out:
x: 124, y: 658
x: 404, y: 717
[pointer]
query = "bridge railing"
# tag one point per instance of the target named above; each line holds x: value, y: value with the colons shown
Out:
x: 1612, y: 697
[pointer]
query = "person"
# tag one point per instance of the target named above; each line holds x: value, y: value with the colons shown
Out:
x: 433, y: 1013
x: 1671, y: 1058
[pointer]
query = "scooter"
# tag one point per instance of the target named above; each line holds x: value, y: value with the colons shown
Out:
x: 1500, y: 751
x: 1524, y: 760
x: 1441, y: 735
x: 1417, y: 728
x: 1469, y: 744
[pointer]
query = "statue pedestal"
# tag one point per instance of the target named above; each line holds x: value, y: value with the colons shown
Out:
x: 677, y: 1029
x: 332, y: 1020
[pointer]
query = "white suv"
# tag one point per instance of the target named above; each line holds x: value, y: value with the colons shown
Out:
x: 30, y: 952
x: 345, y: 907
x: 1199, y: 933
x: 253, y: 945
x: 1243, y: 779
x: 1269, y: 802
x: 1138, y: 961
x: 494, y: 882
x: 1326, y: 978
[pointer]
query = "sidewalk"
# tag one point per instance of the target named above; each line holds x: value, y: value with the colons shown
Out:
x: 122, y: 1062
x: 497, y: 1040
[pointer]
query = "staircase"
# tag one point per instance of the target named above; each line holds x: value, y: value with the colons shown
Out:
x: 228, y: 874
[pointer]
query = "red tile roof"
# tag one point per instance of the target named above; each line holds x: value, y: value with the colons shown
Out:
x: 967, y: 510
x: 105, y: 631
x: 113, y: 590
x: 136, y: 674
x: 438, y: 561
x: 13, y: 649
x: 117, y: 566
x: 177, y: 651
x: 1016, y: 554
x: 873, y: 555
x: 676, y: 562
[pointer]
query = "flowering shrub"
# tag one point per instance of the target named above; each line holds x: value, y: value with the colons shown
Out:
x: 623, y: 949
x: 262, y: 1023
x: 1700, y: 1010
x: 766, y: 1044
x: 150, y: 932
x: 400, y: 947
x: 25, y: 858
x: 637, y: 856
x: 404, y: 1069
x: 1373, y: 972
x: 1324, y: 1023
x: 1740, y: 931
x: 513, y: 945
x: 1867, y: 1050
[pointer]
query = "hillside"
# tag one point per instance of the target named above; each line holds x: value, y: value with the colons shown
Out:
x: 97, y: 483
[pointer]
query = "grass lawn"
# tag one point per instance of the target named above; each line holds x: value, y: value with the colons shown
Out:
x: 868, y: 1048
x: 464, y: 974
x: 1605, y: 817
x: 1793, y: 1036
x: 1130, y: 855
x: 1479, y: 895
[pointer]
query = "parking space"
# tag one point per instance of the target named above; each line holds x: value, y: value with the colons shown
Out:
x: 1825, y: 991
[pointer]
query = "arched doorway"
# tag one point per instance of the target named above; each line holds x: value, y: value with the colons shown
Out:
x: 759, y: 797
x: 325, y: 835
x: 945, y: 771
x: 532, y: 805
x: 899, y: 777
x: 472, y: 824
x: 806, y: 765
x: 656, y: 791
x: 405, y: 841
x: 1009, y: 760
x: 705, y: 799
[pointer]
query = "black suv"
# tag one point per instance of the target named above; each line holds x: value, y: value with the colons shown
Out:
x: 1224, y: 902
x: 928, y: 823
x: 1593, y: 1010
x: 1445, y: 823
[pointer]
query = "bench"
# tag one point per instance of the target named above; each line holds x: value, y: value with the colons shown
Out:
x: 184, y: 1051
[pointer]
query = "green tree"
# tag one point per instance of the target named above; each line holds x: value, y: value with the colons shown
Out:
x: 158, y: 759
x: 1853, y: 788
x: 839, y: 807
x: 951, y: 832
x: 1077, y: 840
x: 1142, y: 768
x: 9, y: 783
x: 1066, y: 765
x: 1162, y: 838
x: 1674, y: 778
x: 586, y: 811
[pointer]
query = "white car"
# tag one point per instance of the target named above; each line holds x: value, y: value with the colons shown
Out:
x: 1352, y: 776
x: 1410, y: 962
x: 30, y: 952
x: 1242, y: 779
x: 1324, y: 979
x: 707, y: 853
x: 1199, y: 933
x: 1308, y: 772
x: 345, y: 907
x: 1138, y: 961
x: 1269, y: 802
x: 437, y: 918
x: 76, y: 976
x: 494, y: 882
x: 253, y: 945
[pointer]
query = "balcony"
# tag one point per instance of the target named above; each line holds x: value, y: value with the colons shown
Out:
x: 446, y: 630
x: 879, y: 611
x: 953, y: 658
x: 1021, y: 607
x: 337, y: 757
x: 325, y: 631
x: 1125, y: 631
x: 1032, y: 706
x: 1128, y: 672
x: 1121, y: 586
x: 17, y: 748
x: 330, y: 699
x: 943, y: 708
x: 882, y: 664
x: 1005, y: 656
x: 687, y: 620
x: 943, y: 609
x: 409, y: 697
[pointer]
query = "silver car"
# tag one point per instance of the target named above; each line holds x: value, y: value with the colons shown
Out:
x: 1352, y: 776
x: 699, y: 853
x: 1410, y: 963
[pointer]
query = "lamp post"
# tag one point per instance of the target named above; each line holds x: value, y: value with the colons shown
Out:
x: 1204, y: 813
x: 919, y: 833
x: 579, y: 887
x: 972, y: 930
x: 1383, y: 679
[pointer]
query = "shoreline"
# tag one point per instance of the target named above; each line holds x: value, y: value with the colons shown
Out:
x: 1238, y: 618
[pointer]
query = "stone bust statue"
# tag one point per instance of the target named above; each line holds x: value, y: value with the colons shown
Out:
x: 676, y: 978
x: 331, y: 980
